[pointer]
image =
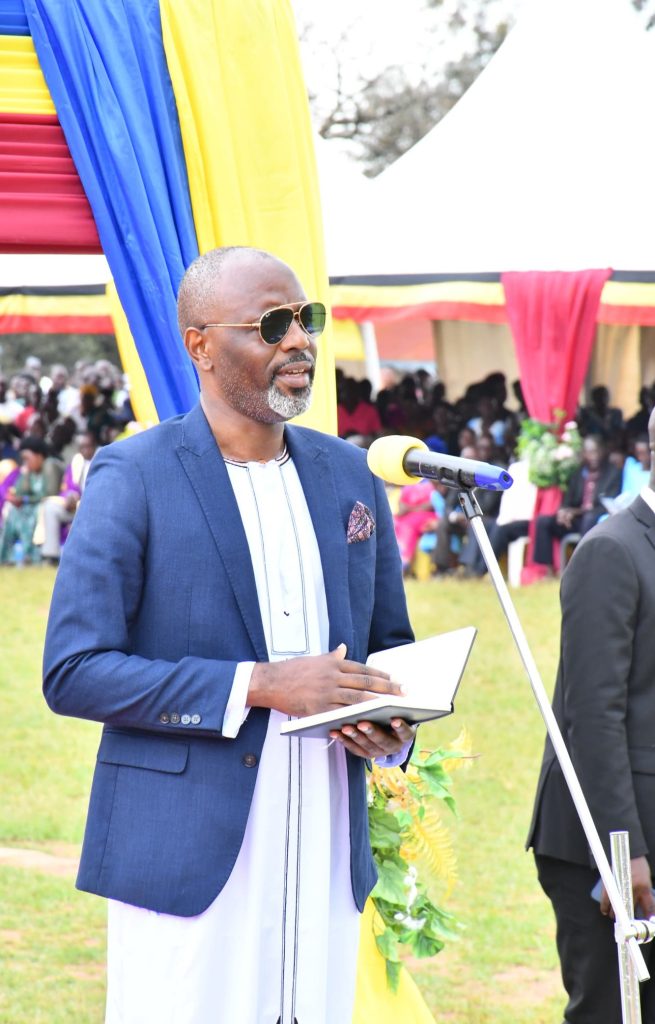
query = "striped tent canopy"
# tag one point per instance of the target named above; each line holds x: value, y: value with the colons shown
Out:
x: 58, y: 309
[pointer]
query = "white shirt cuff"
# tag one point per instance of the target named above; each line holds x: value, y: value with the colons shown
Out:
x: 237, y: 709
x: 393, y: 760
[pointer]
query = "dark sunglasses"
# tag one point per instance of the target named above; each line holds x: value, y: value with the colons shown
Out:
x: 275, y: 324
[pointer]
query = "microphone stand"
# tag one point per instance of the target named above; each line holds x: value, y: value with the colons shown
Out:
x: 627, y: 932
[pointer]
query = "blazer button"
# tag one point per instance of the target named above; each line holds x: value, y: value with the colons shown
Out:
x: 196, y: 719
x: 175, y: 718
x: 186, y: 719
x: 250, y: 760
x: 164, y: 718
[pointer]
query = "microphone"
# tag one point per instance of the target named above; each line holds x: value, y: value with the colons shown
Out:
x: 404, y: 460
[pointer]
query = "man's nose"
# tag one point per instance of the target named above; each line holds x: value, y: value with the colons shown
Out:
x: 295, y: 337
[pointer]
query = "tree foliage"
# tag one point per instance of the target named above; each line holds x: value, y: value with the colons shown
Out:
x: 55, y: 348
x: 647, y: 8
x: 379, y: 116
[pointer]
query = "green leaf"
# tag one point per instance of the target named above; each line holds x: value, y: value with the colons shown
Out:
x: 404, y: 819
x: 391, y: 883
x: 436, y: 757
x: 387, y: 943
x: 393, y: 975
x: 384, y: 830
x: 450, y: 802
x: 426, y: 946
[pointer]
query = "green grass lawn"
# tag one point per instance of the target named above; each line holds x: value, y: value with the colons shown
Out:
x: 504, y: 968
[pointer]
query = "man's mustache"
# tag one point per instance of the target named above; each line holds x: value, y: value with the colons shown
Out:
x: 307, y: 357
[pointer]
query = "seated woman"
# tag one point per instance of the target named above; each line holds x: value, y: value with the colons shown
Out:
x: 415, y: 516
x: 23, y: 499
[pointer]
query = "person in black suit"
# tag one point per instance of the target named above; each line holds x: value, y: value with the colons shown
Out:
x: 604, y: 703
x: 581, y: 507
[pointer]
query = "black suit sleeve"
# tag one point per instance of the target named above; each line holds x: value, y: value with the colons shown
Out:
x: 600, y: 604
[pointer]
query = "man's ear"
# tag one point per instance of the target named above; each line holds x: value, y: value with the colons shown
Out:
x: 195, y: 342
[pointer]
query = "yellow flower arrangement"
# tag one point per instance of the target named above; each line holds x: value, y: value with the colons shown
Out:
x: 414, y: 854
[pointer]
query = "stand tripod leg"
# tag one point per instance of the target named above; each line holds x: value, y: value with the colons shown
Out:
x: 630, y: 1003
x: 473, y: 513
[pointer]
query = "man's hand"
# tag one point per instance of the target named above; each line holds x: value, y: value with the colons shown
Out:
x: 642, y: 893
x: 565, y: 517
x: 368, y: 740
x: 308, y: 686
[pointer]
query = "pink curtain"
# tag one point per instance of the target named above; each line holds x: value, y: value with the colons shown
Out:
x: 552, y: 316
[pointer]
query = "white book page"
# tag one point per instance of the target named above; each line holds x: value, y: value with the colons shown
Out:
x: 430, y: 670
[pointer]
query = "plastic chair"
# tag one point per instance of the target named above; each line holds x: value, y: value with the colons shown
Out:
x: 566, y: 546
x: 515, y: 558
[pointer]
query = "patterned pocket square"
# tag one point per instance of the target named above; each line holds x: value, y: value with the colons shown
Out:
x: 361, y: 523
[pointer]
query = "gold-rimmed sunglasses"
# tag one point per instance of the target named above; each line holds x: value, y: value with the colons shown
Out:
x: 275, y: 324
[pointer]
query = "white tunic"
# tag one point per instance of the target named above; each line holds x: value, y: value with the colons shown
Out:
x: 279, y: 943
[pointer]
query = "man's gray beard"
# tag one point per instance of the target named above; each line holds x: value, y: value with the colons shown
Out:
x: 288, y: 406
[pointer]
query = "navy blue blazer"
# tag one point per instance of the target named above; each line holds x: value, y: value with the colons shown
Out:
x: 153, y: 607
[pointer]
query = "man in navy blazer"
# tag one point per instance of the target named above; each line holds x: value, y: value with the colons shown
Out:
x: 157, y: 620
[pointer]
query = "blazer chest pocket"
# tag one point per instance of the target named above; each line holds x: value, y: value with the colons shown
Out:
x: 154, y: 753
x: 361, y: 577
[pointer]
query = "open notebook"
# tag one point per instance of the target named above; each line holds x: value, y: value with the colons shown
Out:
x: 430, y: 670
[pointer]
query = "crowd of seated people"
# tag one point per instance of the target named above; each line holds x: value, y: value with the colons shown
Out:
x: 614, y: 466
x: 51, y: 424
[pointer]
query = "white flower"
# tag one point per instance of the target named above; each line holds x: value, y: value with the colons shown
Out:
x: 414, y: 924
x: 410, y: 882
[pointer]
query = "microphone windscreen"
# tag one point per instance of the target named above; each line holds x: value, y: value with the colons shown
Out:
x: 386, y: 454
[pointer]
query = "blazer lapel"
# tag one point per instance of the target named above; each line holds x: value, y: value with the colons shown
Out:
x: 642, y: 511
x: 201, y: 458
x: 316, y: 474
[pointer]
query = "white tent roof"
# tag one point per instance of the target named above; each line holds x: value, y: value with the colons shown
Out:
x: 26, y: 270
x: 345, y: 200
x: 544, y: 164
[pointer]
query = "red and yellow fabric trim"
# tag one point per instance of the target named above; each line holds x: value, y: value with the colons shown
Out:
x: 623, y: 301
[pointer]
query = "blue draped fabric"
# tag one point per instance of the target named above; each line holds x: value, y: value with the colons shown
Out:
x: 13, y: 20
x: 105, y: 66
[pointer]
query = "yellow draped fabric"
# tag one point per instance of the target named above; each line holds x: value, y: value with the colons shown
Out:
x: 374, y: 1001
x: 140, y: 396
x: 66, y: 305
x: 23, y: 88
x: 484, y: 293
x: 248, y: 145
x: 348, y: 344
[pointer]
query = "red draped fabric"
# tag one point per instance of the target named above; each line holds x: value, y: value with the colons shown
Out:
x: 553, y: 321
x: 552, y: 316
x: 72, y: 324
x: 43, y: 207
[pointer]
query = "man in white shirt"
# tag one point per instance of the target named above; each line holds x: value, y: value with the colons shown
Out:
x: 225, y: 572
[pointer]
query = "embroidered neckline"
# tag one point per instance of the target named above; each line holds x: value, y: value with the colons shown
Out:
x: 279, y: 459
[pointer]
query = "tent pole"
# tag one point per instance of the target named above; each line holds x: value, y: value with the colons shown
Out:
x: 371, y: 357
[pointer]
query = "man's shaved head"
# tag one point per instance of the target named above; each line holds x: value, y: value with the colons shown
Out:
x: 198, y: 286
